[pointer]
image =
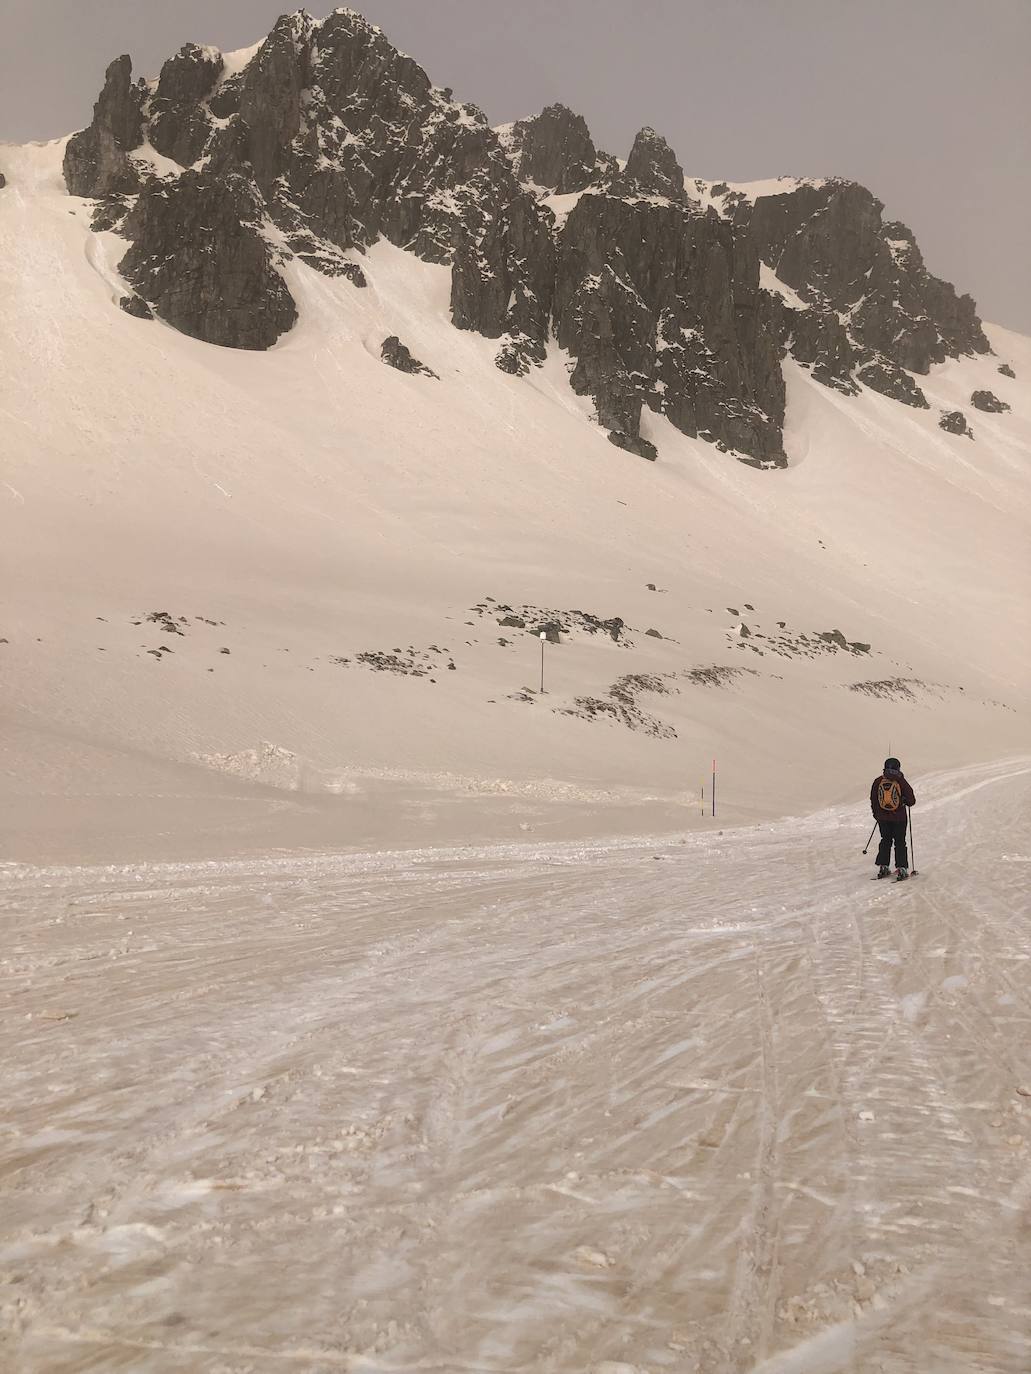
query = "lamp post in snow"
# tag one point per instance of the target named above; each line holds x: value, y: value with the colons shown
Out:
x: 544, y: 640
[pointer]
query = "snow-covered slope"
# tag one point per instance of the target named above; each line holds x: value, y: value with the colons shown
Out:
x: 310, y: 504
x: 716, y: 1106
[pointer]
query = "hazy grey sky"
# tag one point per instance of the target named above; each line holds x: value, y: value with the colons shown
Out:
x: 924, y: 101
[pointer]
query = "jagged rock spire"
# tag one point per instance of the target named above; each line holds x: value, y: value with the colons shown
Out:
x: 652, y: 168
x: 555, y: 150
x: 96, y: 161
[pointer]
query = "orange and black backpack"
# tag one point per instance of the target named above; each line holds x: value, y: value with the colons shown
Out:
x: 889, y: 794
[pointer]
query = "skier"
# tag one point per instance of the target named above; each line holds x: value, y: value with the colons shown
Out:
x: 890, y: 795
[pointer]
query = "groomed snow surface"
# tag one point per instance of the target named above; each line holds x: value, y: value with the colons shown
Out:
x: 721, y: 1105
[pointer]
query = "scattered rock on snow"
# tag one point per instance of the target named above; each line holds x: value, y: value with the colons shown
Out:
x: 988, y: 401
x: 955, y: 422
x: 395, y: 354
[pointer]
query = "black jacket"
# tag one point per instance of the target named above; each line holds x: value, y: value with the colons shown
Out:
x: 908, y: 797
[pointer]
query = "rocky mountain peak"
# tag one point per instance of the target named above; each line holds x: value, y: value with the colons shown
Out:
x: 327, y: 138
x: 178, y: 125
x: 652, y: 168
x: 554, y: 150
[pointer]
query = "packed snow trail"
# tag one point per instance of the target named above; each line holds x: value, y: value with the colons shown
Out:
x: 721, y: 1105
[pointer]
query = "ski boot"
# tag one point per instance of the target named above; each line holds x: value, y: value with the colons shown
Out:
x: 902, y: 875
x: 884, y: 871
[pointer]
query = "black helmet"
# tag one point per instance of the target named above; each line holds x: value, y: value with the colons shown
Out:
x: 892, y: 766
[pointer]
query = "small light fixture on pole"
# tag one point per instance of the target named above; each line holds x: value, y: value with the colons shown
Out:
x: 544, y: 640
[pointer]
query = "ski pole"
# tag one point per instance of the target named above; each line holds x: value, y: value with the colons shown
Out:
x: 912, y: 843
x: 871, y: 837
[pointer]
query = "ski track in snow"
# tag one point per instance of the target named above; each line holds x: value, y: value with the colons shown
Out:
x: 719, y: 1106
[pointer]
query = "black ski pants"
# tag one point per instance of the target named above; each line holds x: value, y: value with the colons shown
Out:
x: 893, y: 832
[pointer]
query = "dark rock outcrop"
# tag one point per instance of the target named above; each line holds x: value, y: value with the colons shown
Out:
x: 892, y: 381
x: 96, y: 161
x: 200, y: 259
x: 395, y: 354
x: 3, y: 181
x: 652, y: 169
x: 502, y: 272
x: 137, y: 307
x: 330, y: 139
x: 955, y: 422
x: 872, y: 304
x: 1004, y: 368
x: 341, y: 139
x: 663, y: 308
x: 554, y: 150
x: 179, y: 127
x: 988, y: 401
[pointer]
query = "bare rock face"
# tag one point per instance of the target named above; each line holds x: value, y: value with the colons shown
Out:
x: 178, y: 125
x: 3, y: 181
x: 137, y: 307
x: 395, y: 354
x: 330, y: 139
x: 892, y: 381
x: 336, y: 139
x: 96, y: 161
x: 652, y: 168
x: 1004, y: 368
x: 554, y: 150
x: 663, y: 308
x: 819, y: 340
x: 200, y: 259
x: 988, y: 401
x: 955, y: 422
x: 872, y: 304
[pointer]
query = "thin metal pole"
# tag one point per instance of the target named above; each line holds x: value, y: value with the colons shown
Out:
x: 871, y: 837
x: 912, y: 843
x: 543, y: 642
x: 714, y: 787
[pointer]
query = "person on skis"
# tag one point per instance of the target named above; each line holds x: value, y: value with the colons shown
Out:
x: 890, y: 795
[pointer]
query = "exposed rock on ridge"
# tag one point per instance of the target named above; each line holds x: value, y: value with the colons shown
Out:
x: 651, y: 169
x: 96, y: 161
x: 663, y: 309
x: 875, y: 312
x: 341, y: 139
x: 554, y: 150
x: 328, y: 138
x: 178, y: 124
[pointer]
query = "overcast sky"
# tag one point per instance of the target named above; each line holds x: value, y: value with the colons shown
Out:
x: 924, y: 101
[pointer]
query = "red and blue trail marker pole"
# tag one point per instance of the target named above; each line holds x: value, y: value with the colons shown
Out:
x: 714, y: 788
